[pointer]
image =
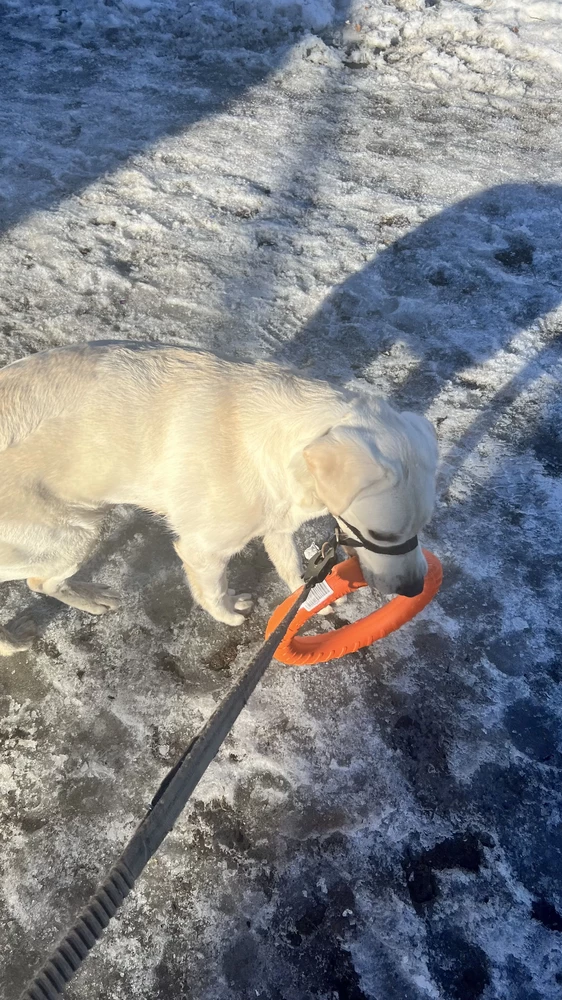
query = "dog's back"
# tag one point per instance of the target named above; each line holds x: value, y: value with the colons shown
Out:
x: 121, y: 422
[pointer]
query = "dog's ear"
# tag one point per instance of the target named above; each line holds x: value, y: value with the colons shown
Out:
x: 342, y: 465
x: 425, y: 436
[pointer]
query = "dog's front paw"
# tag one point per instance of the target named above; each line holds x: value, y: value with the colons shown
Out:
x: 229, y: 617
x: 330, y: 607
x: 229, y: 612
x: 241, y: 602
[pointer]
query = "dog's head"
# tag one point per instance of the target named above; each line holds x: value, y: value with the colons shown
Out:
x: 380, y: 480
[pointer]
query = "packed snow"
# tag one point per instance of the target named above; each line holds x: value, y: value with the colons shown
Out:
x: 371, y: 191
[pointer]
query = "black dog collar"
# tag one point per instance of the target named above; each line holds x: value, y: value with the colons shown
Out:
x: 389, y: 550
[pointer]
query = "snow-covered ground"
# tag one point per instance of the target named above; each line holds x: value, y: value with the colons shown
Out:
x: 372, y: 191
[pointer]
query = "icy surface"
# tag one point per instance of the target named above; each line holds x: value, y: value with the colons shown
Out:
x: 372, y: 191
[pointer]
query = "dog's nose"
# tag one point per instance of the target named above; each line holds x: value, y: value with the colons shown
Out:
x: 411, y: 589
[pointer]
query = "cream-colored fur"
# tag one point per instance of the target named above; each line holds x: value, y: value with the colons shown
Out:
x: 225, y: 451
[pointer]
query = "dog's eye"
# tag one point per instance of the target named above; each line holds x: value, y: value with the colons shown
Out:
x: 383, y: 536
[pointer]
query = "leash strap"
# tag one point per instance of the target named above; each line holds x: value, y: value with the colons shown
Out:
x: 166, y: 806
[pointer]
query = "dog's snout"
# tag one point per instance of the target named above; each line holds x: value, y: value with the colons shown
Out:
x: 411, y: 589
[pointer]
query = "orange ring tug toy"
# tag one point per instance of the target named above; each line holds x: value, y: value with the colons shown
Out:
x: 344, y: 578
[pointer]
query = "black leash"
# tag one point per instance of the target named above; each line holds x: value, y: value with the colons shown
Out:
x: 175, y: 790
x: 165, y: 808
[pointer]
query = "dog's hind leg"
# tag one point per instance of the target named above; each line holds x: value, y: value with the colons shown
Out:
x: 64, y: 549
x: 55, y: 578
x: 46, y: 552
x: 92, y: 597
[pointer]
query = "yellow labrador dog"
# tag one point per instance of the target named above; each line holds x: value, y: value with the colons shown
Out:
x: 225, y: 451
